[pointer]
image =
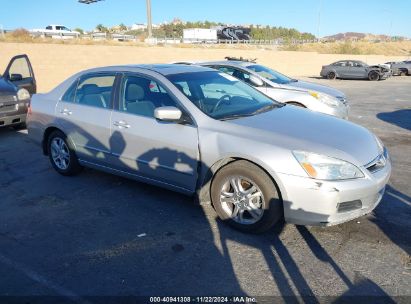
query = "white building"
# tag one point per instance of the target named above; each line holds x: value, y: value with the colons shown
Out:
x: 199, y: 35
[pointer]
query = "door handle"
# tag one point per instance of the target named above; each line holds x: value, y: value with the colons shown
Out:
x: 66, y: 112
x: 121, y: 124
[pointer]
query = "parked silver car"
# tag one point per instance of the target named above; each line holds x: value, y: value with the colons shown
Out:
x: 199, y: 131
x: 281, y: 88
x: 355, y: 69
x: 402, y: 68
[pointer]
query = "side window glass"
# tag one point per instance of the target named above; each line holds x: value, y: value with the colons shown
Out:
x: 183, y: 87
x: 70, y: 94
x: 226, y: 70
x: 95, y: 90
x: 141, y: 96
x: 21, y: 68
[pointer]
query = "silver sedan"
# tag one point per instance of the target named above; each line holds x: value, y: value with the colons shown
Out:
x: 303, y: 94
x: 204, y: 133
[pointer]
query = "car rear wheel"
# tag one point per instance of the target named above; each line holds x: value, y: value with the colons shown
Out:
x: 62, y: 155
x: 245, y: 197
x: 331, y: 75
x: 373, y: 76
x: 403, y: 73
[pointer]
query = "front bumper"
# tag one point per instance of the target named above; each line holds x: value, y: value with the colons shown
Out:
x: 313, y: 202
x: 385, y: 75
x: 11, y: 120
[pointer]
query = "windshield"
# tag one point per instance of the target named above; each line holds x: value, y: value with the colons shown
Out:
x: 269, y: 74
x: 222, y: 96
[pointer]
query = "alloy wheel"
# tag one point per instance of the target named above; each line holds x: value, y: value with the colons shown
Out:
x: 242, y: 200
x: 60, y: 153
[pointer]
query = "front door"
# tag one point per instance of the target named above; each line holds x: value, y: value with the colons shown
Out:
x: 164, y: 152
x: 20, y: 73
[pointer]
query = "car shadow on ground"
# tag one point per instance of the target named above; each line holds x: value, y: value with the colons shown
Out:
x: 106, y: 235
x: 400, y: 118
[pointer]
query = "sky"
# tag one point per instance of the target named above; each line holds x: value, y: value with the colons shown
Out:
x: 391, y: 17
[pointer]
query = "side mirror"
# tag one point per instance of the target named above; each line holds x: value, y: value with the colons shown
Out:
x: 256, y: 81
x: 168, y: 114
x: 15, y: 77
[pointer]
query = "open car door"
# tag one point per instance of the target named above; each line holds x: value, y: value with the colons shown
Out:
x: 20, y: 72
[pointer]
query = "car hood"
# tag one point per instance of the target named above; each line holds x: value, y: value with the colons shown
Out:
x: 317, y: 87
x: 7, y: 88
x: 295, y: 128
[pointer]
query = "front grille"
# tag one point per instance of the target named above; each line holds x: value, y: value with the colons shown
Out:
x: 349, y: 206
x: 8, y: 103
x: 7, y: 98
x: 8, y: 108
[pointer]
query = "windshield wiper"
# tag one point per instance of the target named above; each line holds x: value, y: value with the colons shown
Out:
x: 261, y: 110
x: 265, y: 109
x: 235, y: 116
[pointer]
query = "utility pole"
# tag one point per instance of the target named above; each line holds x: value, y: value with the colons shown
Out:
x: 149, y: 23
x: 319, y: 20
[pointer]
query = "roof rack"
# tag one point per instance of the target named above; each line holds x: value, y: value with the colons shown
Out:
x: 240, y: 59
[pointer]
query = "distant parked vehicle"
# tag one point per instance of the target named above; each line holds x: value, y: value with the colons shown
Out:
x: 205, y: 133
x: 16, y: 85
x: 284, y: 89
x: 402, y: 68
x: 56, y: 31
x: 354, y: 69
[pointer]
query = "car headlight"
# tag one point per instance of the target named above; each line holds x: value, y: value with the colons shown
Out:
x: 324, y: 98
x: 23, y: 94
x: 326, y: 168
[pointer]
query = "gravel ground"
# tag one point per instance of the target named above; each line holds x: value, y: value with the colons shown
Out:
x: 101, y: 235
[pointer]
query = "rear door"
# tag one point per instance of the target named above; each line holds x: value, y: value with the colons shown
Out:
x: 341, y: 69
x: 20, y: 72
x: 84, y: 114
x: 165, y: 152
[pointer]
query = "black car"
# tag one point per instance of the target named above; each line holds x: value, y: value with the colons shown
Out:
x: 17, y: 84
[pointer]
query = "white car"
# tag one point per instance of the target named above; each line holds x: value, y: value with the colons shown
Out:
x: 56, y: 31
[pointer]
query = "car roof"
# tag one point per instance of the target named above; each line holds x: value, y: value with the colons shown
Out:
x: 163, y: 69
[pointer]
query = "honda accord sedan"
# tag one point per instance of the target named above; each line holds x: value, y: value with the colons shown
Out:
x: 205, y: 133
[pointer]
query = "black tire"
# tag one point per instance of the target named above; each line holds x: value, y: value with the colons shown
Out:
x: 331, y: 75
x: 20, y: 126
x: 403, y: 73
x: 73, y: 166
x: 373, y: 76
x: 296, y: 104
x: 271, y: 209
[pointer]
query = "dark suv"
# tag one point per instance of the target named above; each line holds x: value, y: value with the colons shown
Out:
x: 17, y: 84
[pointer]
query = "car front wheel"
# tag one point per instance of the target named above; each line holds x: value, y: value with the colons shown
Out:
x: 245, y: 197
x: 62, y: 155
x: 373, y: 76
